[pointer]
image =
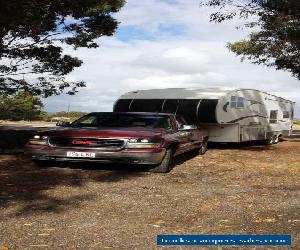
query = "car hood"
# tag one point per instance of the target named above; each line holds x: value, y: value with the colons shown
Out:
x: 104, y: 132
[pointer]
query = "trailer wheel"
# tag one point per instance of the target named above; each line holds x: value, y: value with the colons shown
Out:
x: 166, y: 165
x: 280, y: 138
x: 269, y: 141
x: 273, y: 140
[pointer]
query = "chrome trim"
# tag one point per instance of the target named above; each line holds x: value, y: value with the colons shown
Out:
x: 91, y: 148
x: 116, y: 156
x: 197, y: 109
x: 163, y: 105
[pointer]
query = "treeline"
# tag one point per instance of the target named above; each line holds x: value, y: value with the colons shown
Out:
x: 25, y: 106
x: 63, y: 116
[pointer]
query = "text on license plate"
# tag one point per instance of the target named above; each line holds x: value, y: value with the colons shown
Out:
x: 81, y: 154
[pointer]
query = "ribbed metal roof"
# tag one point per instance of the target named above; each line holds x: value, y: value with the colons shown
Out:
x: 178, y: 93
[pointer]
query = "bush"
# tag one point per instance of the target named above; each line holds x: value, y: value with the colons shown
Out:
x: 65, y: 116
x: 22, y: 106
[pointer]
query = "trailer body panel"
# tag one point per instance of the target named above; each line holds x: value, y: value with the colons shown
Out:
x: 229, y: 115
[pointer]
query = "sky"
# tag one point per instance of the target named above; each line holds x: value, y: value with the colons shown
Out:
x: 167, y: 44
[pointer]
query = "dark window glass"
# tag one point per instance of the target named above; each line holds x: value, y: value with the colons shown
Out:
x: 207, y: 111
x: 117, y: 120
x: 180, y: 121
x: 122, y: 105
x: 147, y: 105
x: 170, y: 106
x: 188, y: 109
x: 286, y: 114
x: 240, y: 103
x: 237, y: 102
x: 273, y: 116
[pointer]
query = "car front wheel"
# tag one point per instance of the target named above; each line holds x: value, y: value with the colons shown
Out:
x: 200, y: 150
x: 203, y: 148
x: 166, y: 165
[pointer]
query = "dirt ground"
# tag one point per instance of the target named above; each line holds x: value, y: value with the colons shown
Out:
x: 250, y: 189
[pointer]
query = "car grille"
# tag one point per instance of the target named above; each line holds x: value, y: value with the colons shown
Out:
x: 86, y: 142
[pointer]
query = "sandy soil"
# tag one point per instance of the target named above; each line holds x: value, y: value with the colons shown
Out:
x: 230, y: 190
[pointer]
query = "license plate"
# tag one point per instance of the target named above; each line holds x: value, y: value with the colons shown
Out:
x: 81, y: 154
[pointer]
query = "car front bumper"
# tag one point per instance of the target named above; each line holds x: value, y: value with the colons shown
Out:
x: 127, y: 156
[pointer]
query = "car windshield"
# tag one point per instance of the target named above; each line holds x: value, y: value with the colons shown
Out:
x: 112, y: 120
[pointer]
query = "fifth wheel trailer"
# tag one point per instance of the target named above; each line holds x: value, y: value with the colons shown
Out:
x: 229, y: 115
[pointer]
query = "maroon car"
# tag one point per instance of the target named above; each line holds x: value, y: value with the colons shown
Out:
x: 131, y: 138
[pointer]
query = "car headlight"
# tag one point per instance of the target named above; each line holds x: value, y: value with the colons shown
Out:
x: 39, y: 140
x: 143, y: 143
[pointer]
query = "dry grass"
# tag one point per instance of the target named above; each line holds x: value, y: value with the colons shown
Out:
x: 230, y: 190
x: 296, y: 124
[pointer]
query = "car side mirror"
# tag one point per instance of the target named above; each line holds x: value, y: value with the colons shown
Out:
x: 188, y: 127
x: 63, y: 124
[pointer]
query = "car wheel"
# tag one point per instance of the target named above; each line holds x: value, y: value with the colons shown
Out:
x: 203, y: 148
x: 166, y: 165
x: 200, y: 150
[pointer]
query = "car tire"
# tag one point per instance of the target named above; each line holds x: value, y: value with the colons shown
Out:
x: 203, y: 148
x: 166, y: 165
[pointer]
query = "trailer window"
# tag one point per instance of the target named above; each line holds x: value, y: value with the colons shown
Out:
x: 273, y: 116
x: 188, y: 108
x: 147, y: 105
x: 180, y: 121
x: 237, y: 102
x: 170, y: 106
x: 207, y: 111
x: 286, y: 114
x: 122, y: 105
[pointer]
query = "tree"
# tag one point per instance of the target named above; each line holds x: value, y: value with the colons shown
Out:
x: 276, y: 39
x: 70, y: 115
x: 22, y: 106
x: 32, y: 36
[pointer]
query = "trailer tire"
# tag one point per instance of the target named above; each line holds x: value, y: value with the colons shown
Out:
x: 166, y: 165
x: 273, y: 140
x: 280, y: 138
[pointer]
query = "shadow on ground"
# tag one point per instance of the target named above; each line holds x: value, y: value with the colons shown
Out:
x: 250, y: 146
x: 26, y: 184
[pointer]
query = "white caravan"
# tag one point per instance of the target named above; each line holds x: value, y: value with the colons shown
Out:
x: 229, y: 115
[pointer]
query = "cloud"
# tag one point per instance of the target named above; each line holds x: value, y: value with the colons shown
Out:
x: 162, y: 44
